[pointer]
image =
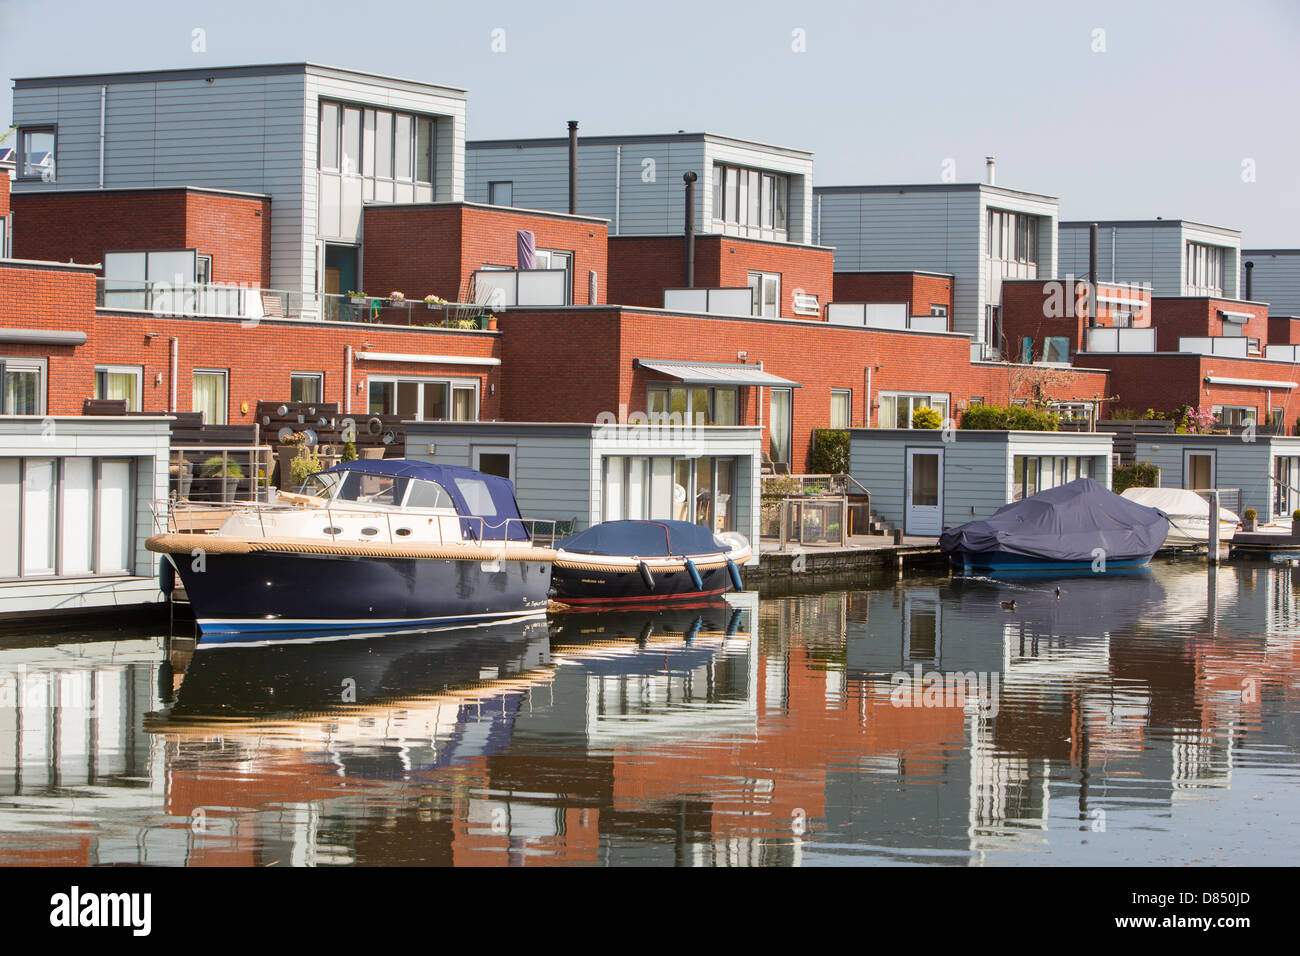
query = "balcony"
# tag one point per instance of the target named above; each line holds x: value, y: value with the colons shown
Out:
x: 1229, y: 346
x: 1121, y: 340
x: 883, y: 315
x: 253, y: 305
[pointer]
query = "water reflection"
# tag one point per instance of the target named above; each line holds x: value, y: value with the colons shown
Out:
x: 1146, y: 718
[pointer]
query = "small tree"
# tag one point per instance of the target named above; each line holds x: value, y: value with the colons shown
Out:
x: 926, y: 417
x: 303, y: 466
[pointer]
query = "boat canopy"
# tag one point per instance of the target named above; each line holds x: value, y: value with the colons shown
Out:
x: 1178, y: 503
x: 1065, y: 523
x: 485, y: 503
x: 643, y: 539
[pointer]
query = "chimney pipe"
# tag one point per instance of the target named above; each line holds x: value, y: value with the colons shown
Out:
x: 1092, y: 275
x: 689, y: 178
x: 1250, y: 269
x: 992, y: 163
x: 573, y: 167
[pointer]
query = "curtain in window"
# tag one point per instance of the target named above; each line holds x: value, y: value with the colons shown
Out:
x: 210, y: 397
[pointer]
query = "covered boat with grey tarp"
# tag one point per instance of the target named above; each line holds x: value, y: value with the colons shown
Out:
x: 1076, y: 526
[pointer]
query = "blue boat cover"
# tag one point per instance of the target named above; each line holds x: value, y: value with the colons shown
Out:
x: 643, y: 539
x: 1066, y: 523
x: 501, y: 522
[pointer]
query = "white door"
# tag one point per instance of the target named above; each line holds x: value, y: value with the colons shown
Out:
x: 1198, y: 469
x: 924, y: 504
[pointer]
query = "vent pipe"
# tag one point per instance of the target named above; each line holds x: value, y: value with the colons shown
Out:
x: 1092, y: 275
x: 573, y: 167
x: 991, y: 163
x: 689, y: 178
x: 1250, y: 285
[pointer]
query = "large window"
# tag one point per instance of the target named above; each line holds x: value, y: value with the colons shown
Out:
x: 558, y: 259
x: 658, y: 487
x: 306, y: 386
x: 36, y: 147
x: 71, y: 517
x: 1035, y: 473
x: 119, y: 383
x: 750, y: 198
x: 1204, y: 269
x: 767, y: 293
x: 210, y: 395
x: 501, y: 194
x: 23, y: 386
x: 425, y: 400
x: 694, y: 404
x: 1235, y: 415
x: 1012, y: 236
x: 778, y: 429
x: 377, y: 144
x: 897, y: 408
x: 841, y: 407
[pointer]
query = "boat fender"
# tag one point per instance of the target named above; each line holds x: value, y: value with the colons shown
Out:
x: 694, y: 572
x: 647, y: 632
x: 375, y: 426
x: 166, y: 576
x: 735, y: 575
x: 646, y: 575
x: 733, y: 625
x: 695, y: 630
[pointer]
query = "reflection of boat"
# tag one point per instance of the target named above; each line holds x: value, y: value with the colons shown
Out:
x: 641, y: 562
x: 370, y: 545
x: 678, y: 624
x: 1189, y: 515
x: 1076, y: 526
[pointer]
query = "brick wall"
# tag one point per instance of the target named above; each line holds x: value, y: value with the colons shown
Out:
x: 433, y: 249
x: 4, y: 193
x: 81, y: 226
x: 641, y: 267
x: 921, y: 289
x: 1176, y: 316
x: 1035, y: 310
x: 1283, y: 330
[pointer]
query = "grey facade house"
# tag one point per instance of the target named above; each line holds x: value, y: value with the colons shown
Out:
x: 1172, y: 256
x: 1275, y: 278
x: 1266, y: 468
x: 744, y: 188
x: 708, y: 474
x: 923, y: 483
x: 76, y: 497
x: 319, y: 140
x: 976, y: 232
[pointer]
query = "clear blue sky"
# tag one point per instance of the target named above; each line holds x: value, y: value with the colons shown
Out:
x: 1159, y: 124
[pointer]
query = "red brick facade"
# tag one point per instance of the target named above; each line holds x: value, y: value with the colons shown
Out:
x: 4, y: 193
x: 1035, y: 310
x: 1283, y: 330
x: 920, y: 289
x: 434, y: 248
x: 641, y: 267
x: 1178, y: 316
x: 234, y: 229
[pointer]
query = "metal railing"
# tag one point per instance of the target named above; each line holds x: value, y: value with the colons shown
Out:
x: 811, y: 509
x: 221, y: 473
x: 197, y: 300
x: 1229, y: 498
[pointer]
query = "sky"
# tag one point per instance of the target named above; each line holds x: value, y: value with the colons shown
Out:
x: 1123, y: 110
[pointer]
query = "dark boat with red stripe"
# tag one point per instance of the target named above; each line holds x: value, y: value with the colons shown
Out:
x: 630, y: 563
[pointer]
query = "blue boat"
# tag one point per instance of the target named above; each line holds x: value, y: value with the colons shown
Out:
x: 1078, y: 526
x: 367, y: 546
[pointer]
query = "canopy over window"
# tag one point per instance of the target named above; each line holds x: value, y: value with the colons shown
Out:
x: 715, y: 373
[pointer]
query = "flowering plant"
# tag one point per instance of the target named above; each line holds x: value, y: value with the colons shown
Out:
x: 397, y: 297
x: 1200, y: 420
x: 435, y: 300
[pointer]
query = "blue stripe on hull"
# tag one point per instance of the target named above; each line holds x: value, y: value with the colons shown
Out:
x: 233, y: 633
x: 994, y: 562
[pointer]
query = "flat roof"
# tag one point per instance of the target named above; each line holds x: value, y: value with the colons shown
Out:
x: 548, y: 213
x: 1084, y: 223
x: 932, y: 188
x: 189, y: 73
x: 144, y: 189
x: 611, y: 140
x: 1270, y: 252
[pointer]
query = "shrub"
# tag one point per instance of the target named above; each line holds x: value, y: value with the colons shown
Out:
x: 1142, y: 475
x: 212, y: 468
x: 1008, y: 418
x: 1295, y: 515
x: 349, y: 451
x: 830, y: 454
x: 1250, y: 514
x: 304, y: 465
x: 926, y: 417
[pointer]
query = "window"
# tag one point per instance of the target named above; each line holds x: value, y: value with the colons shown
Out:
x: 376, y: 144
x: 1012, y: 236
x: 501, y: 194
x: 203, y: 270
x: 75, y: 514
x: 424, y: 400
x: 36, y: 153
x: 778, y: 429
x: 210, y: 395
x: 23, y: 391
x: 939, y: 310
x: 660, y: 487
x: 897, y: 408
x: 558, y: 259
x: 750, y: 197
x: 306, y: 386
x: 1056, y: 348
x: 767, y: 293
x: 693, y: 405
x: 1071, y: 411
x: 1034, y: 473
x: 118, y: 382
x: 841, y: 407
x: 1204, y: 269
x: 1235, y: 415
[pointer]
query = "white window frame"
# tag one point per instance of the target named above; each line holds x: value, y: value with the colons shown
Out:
x: 319, y: 378
x: 24, y: 363
x: 768, y: 307
x: 23, y: 132
x: 911, y: 397
x: 710, y: 412
x: 422, y: 380
x: 225, y: 391
x: 475, y: 451
x: 136, y: 371
x: 848, y: 395
x: 492, y: 188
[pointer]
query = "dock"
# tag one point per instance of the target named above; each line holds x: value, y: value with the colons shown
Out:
x: 867, y: 552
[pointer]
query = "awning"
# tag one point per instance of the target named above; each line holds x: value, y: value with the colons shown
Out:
x: 1252, y: 382
x: 1237, y: 317
x: 715, y: 373
x: 42, y: 337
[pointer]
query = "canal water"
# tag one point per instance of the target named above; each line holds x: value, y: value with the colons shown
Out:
x: 1147, y: 719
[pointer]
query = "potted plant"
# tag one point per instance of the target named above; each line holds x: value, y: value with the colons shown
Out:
x: 358, y: 298
x: 349, y: 451
x: 1249, y: 520
x: 306, y: 464
x: 228, y: 472
x: 1295, y: 523
x: 290, y: 445
x: 397, y: 298
x: 182, y: 471
x: 434, y: 301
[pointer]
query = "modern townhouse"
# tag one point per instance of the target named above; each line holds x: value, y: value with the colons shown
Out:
x: 1175, y: 257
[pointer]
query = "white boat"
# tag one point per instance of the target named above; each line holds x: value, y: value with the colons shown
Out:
x: 1189, y: 515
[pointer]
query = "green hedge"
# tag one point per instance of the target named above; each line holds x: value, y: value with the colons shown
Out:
x: 1142, y: 475
x: 830, y: 453
x: 1008, y: 418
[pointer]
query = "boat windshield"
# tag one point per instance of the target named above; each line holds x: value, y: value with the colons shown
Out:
x: 389, y: 490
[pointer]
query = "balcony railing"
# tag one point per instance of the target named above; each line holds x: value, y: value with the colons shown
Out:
x: 1121, y: 340
x: 883, y: 315
x: 252, y: 305
x: 1234, y: 346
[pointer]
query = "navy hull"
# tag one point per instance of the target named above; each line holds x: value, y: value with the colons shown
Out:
x: 263, y: 596
x: 994, y: 562
x: 618, y: 587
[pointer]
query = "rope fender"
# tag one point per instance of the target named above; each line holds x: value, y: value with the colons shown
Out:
x: 188, y: 542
